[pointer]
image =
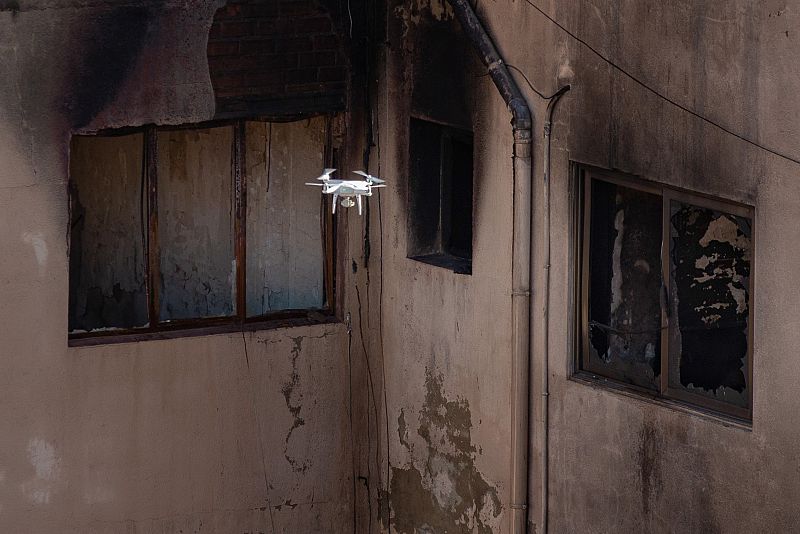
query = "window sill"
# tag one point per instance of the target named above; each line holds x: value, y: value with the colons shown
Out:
x: 204, y: 328
x: 446, y: 261
x: 604, y: 384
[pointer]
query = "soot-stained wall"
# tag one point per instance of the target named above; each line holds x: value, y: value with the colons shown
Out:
x: 264, y: 54
x: 242, y: 432
x: 617, y: 463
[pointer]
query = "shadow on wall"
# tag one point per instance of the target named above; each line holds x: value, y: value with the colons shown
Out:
x: 441, y: 489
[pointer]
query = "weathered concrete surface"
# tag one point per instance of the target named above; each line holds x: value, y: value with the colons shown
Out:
x: 617, y: 464
x: 446, y: 339
x: 227, y: 433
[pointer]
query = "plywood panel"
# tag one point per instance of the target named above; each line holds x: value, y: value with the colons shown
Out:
x: 107, y: 280
x: 195, y: 212
x: 284, y: 240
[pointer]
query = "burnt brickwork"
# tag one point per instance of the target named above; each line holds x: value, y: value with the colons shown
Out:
x: 278, y: 57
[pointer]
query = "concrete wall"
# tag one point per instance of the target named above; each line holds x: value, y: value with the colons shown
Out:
x: 617, y: 463
x: 252, y: 432
x: 226, y: 433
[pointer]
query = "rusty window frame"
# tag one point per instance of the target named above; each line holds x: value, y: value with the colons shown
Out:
x: 238, y: 321
x: 584, y: 174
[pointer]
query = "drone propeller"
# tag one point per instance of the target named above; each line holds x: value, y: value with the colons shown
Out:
x: 326, y: 174
x: 371, y: 179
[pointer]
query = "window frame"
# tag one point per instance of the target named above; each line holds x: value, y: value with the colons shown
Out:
x: 443, y: 255
x: 583, y: 176
x: 238, y: 321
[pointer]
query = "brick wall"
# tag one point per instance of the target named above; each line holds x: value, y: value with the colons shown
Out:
x: 277, y: 56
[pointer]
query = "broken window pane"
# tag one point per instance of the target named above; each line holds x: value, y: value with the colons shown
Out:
x: 196, y: 217
x: 285, y: 253
x: 624, y: 284
x: 710, y: 255
x: 106, y: 260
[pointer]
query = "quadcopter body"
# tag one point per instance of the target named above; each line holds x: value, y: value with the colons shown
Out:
x: 347, y: 188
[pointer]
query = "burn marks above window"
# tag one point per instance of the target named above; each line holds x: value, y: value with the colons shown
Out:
x: 665, y: 293
x: 441, y: 154
x: 440, y: 202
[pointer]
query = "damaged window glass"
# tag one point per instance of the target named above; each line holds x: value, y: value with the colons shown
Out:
x: 162, y: 235
x: 710, y: 279
x: 624, y: 284
x: 666, y: 292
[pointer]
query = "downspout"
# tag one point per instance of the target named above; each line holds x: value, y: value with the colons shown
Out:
x: 544, y: 386
x: 521, y: 124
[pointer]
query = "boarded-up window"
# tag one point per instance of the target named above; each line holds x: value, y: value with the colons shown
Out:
x: 198, y: 225
x: 195, y: 196
x: 107, y: 258
x: 283, y: 216
x: 666, y: 292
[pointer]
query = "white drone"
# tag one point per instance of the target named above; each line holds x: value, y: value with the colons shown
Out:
x: 348, y: 188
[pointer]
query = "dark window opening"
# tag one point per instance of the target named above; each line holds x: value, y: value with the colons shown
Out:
x: 665, y: 292
x: 440, y: 189
x: 198, y: 226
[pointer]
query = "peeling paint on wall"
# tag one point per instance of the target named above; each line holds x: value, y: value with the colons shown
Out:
x: 441, y: 490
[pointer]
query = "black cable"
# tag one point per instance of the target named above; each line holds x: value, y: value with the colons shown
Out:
x: 350, y: 414
x: 661, y: 95
x: 383, y: 371
x: 535, y: 90
x: 374, y: 403
x: 385, y: 40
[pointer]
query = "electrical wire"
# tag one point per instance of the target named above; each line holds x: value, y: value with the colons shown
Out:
x: 534, y: 89
x: 380, y: 294
x: 374, y: 405
x: 350, y: 413
x: 658, y: 93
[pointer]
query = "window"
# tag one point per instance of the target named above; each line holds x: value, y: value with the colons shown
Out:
x: 197, y: 226
x: 665, y: 292
x: 440, y: 213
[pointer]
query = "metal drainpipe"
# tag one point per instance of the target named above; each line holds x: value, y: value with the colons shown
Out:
x: 522, y: 124
x: 544, y: 386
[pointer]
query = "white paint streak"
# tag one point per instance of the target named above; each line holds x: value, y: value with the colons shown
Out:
x: 46, y: 464
x: 43, y: 458
x: 36, y: 240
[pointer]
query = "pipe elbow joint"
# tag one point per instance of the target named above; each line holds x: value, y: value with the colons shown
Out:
x: 520, y: 114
